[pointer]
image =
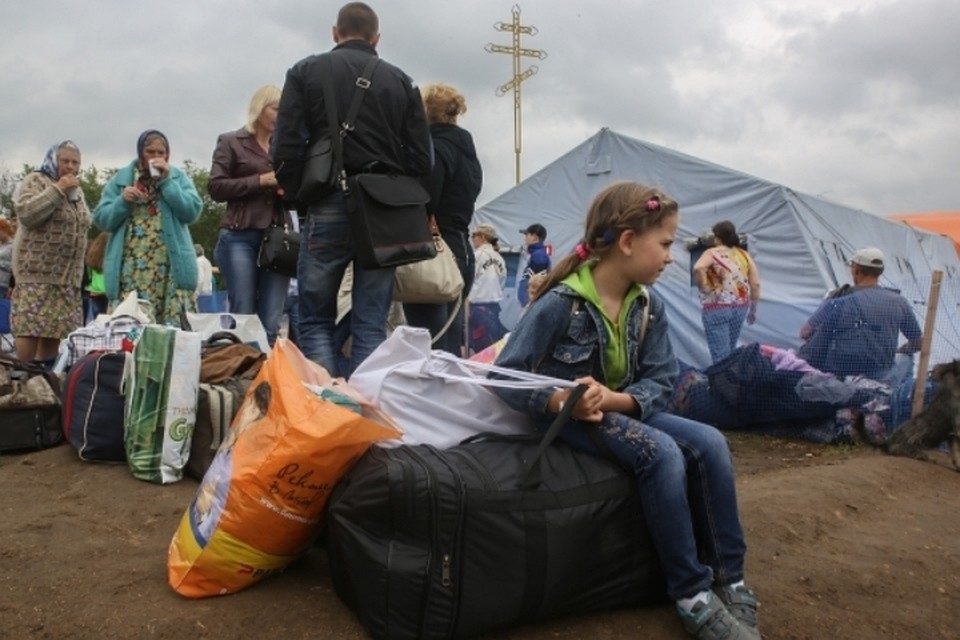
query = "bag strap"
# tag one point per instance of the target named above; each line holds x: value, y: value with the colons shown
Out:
x: 330, y: 103
x: 516, y: 378
x: 532, y: 477
x: 449, y: 323
x: 645, y: 318
x: 363, y: 82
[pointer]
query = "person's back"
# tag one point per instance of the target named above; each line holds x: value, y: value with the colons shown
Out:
x: 856, y: 330
x: 389, y: 135
x: 865, y: 326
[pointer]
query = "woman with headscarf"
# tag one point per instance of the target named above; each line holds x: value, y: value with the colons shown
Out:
x: 51, y: 238
x: 147, y: 208
x: 242, y: 176
x: 729, y: 290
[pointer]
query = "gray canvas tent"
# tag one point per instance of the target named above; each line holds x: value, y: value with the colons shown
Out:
x: 801, y: 243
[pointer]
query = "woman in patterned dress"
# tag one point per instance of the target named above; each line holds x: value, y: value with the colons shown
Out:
x: 147, y: 208
x: 51, y: 238
x: 729, y: 286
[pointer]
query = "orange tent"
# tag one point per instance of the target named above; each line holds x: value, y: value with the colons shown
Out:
x: 945, y: 223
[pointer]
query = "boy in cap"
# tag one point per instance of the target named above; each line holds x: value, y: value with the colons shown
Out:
x: 538, y: 260
x: 856, y: 330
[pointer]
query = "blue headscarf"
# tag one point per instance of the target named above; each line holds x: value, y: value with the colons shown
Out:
x: 49, y: 166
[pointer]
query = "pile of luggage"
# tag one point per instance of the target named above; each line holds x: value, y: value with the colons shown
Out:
x: 434, y: 528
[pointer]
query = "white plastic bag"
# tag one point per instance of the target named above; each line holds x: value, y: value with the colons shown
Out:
x: 132, y: 306
x: 160, y: 410
x: 246, y: 326
x: 437, y: 398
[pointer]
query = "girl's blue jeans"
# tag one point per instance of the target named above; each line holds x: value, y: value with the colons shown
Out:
x: 685, y: 474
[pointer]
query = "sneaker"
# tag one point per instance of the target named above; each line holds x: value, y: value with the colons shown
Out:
x: 742, y: 605
x: 712, y: 621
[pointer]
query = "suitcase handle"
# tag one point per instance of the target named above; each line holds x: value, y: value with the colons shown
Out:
x: 532, y: 477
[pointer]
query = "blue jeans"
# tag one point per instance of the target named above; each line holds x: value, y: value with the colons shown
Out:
x: 250, y: 289
x: 292, y: 309
x: 326, y: 249
x: 687, y: 493
x: 722, y: 326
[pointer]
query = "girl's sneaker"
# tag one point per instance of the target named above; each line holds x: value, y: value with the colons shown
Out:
x: 742, y: 605
x: 712, y: 621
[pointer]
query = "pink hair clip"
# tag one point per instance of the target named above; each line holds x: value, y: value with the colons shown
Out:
x: 582, y: 251
x: 653, y: 204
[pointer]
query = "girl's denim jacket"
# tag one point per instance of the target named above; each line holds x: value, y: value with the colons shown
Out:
x: 562, y: 335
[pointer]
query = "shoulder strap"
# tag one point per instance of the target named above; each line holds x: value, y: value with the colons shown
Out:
x: 363, y: 82
x: 339, y: 131
x: 330, y: 103
x: 645, y: 319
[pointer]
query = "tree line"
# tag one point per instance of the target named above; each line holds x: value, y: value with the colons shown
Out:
x: 93, y: 180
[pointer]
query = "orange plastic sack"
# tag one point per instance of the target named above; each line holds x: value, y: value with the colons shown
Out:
x: 262, y: 500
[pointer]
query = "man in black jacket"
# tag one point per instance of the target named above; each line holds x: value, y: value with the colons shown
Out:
x: 390, y: 135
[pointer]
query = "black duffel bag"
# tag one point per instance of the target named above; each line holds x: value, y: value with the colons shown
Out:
x: 30, y: 400
x: 93, y: 405
x: 429, y: 543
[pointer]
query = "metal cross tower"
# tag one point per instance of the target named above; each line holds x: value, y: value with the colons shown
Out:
x: 516, y: 51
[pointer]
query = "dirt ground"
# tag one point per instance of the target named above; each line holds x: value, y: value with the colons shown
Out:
x: 843, y: 543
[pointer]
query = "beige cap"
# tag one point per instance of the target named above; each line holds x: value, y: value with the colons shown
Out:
x: 868, y: 257
x: 487, y: 231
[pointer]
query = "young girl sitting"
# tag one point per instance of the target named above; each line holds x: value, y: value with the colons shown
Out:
x: 586, y: 326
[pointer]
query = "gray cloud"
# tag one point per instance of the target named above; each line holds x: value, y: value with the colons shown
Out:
x: 856, y: 102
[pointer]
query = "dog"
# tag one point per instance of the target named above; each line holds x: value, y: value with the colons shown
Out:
x: 938, y: 422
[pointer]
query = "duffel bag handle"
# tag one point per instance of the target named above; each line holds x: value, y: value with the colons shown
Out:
x: 224, y: 337
x: 532, y: 477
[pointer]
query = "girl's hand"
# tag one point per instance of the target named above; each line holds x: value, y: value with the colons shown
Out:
x: 589, y: 407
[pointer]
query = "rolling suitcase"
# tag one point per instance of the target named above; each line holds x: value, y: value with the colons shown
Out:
x: 430, y: 543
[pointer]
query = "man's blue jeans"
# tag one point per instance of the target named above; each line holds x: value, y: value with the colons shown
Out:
x: 326, y: 248
x: 251, y: 289
x: 687, y: 493
x: 722, y: 326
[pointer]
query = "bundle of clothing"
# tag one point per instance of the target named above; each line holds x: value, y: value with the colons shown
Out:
x: 773, y: 391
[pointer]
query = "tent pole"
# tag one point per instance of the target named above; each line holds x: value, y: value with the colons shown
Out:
x: 933, y: 302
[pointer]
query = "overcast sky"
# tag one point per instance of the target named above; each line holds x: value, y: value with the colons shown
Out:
x: 854, y: 100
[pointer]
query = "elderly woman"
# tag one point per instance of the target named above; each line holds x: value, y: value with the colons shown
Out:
x: 454, y: 186
x: 53, y: 220
x: 147, y: 208
x: 242, y: 176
